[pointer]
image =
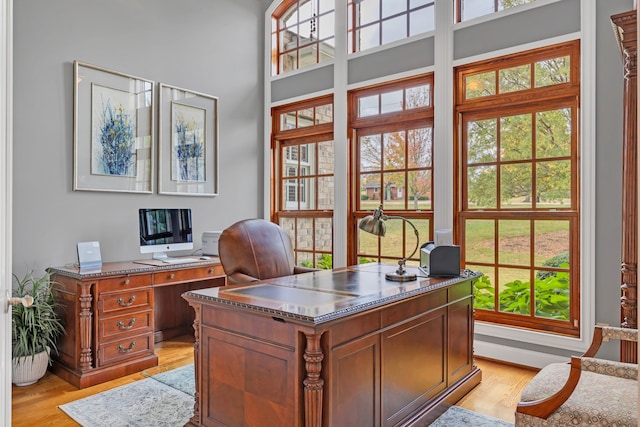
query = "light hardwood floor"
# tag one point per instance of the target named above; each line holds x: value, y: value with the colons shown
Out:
x: 37, y: 405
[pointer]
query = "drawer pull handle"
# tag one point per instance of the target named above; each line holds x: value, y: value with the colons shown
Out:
x: 212, y: 271
x: 126, y: 282
x: 126, y: 304
x: 121, y: 349
x: 172, y: 276
x: 124, y: 327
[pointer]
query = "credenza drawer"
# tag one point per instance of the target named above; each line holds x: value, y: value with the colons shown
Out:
x: 114, y: 302
x: 127, y: 348
x: 187, y: 275
x: 118, y: 327
x: 124, y: 282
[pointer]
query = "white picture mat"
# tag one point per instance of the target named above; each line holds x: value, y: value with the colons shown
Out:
x: 169, y: 98
x: 142, y: 93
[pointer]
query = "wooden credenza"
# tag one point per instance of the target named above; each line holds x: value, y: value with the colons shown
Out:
x: 333, y: 348
x: 114, y: 315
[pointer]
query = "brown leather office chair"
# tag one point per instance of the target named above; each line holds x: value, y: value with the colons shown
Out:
x: 256, y: 249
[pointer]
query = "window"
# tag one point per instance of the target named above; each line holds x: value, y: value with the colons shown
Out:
x: 303, y: 154
x: 518, y: 213
x: 377, y: 22
x: 392, y: 150
x: 469, y: 9
x: 302, y: 34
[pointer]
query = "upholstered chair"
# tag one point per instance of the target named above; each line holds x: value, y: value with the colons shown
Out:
x: 586, y: 392
x: 256, y: 249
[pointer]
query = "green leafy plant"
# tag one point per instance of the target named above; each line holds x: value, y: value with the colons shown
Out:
x: 325, y: 262
x: 555, y: 261
x: 551, y: 295
x: 34, y: 328
x: 484, y: 294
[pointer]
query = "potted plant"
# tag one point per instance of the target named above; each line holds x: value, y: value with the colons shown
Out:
x: 35, y: 327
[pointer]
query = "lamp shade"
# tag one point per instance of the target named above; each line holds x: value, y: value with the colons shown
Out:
x: 373, y: 225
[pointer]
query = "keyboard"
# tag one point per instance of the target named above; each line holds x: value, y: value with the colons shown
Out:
x: 179, y: 260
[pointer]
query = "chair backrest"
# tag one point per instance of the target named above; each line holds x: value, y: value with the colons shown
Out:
x: 255, y: 249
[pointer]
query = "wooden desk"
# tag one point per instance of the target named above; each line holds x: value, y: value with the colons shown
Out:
x: 332, y: 348
x: 114, y: 315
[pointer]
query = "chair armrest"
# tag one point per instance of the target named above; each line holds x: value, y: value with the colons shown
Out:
x: 622, y: 334
x: 238, y: 278
x: 297, y: 269
x: 611, y: 368
x: 543, y: 408
x: 605, y: 333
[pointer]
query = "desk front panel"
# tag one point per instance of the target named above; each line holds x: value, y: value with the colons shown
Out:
x: 388, y: 363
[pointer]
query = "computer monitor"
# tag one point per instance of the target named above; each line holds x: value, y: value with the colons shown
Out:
x: 165, y: 230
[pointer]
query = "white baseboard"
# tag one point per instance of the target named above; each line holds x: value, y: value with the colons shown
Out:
x: 518, y: 356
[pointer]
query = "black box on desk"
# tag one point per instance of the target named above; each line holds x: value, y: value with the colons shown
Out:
x: 440, y: 261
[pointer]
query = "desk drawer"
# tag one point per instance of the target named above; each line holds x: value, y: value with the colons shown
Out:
x: 124, y: 282
x: 123, y: 349
x: 119, y: 327
x: 187, y: 275
x: 114, y: 302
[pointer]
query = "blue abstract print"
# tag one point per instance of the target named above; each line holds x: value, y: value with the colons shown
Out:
x: 116, y: 141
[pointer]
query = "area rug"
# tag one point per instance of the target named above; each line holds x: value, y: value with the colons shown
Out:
x: 145, y: 403
x: 460, y: 417
x: 166, y: 400
x: 183, y: 379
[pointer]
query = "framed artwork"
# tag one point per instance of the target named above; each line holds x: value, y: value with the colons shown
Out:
x: 113, y: 137
x: 188, y: 142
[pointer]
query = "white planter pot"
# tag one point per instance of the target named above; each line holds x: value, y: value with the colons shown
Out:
x: 27, y: 370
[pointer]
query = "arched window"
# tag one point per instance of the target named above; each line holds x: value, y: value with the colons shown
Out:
x: 302, y: 34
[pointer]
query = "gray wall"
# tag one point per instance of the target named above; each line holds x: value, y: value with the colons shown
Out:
x: 211, y: 46
x: 609, y: 113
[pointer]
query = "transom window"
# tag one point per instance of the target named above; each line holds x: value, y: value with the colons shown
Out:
x: 393, y: 151
x: 303, y: 34
x: 469, y: 9
x: 377, y: 22
x: 518, y: 215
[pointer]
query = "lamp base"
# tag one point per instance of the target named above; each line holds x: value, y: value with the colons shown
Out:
x: 404, y: 277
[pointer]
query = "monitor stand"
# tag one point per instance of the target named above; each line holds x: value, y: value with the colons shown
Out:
x: 162, y: 256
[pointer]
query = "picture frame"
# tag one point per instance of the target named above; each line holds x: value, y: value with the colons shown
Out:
x: 188, y: 142
x: 113, y: 132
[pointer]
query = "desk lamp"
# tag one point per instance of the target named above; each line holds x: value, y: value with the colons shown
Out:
x: 375, y: 225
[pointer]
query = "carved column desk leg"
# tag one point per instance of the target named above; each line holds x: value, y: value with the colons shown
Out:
x: 313, y: 384
x: 86, y: 326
